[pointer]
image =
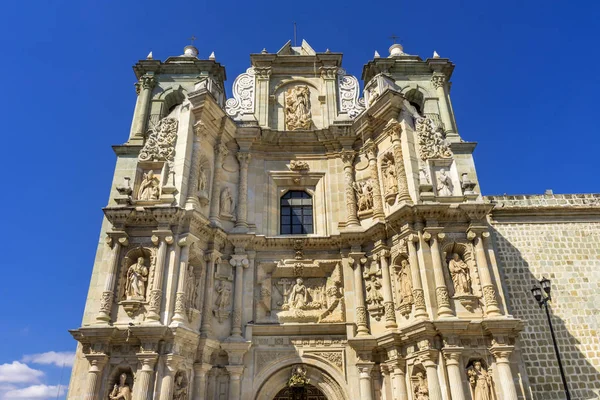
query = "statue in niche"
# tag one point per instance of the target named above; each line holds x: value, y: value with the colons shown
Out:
x: 137, y: 275
x: 460, y: 275
x: 364, y: 191
x: 223, y: 296
x: 226, y: 203
x: 180, y: 391
x: 297, y: 108
x: 421, y: 389
x: 149, y: 188
x: 444, y: 184
x: 298, y: 295
x: 202, y: 180
x: 191, y: 289
x: 374, y: 297
x: 390, y: 181
x: 405, y: 282
x: 481, y: 382
x: 121, y: 391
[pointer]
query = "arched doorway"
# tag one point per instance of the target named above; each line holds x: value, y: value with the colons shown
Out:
x: 307, y: 392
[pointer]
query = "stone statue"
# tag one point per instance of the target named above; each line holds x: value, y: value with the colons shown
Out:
x: 223, y: 296
x: 298, y: 295
x: 149, y: 188
x: 481, y: 382
x: 191, y: 289
x: 180, y: 391
x: 460, y: 275
x: 405, y: 281
x: 390, y: 182
x: 202, y: 180
x: 298, y: 377
x: 444, y: 184
x: 374, y: 297
x: 421, y: 389
x: 364, y: 191
x: 137, y: 275
x: 122, y: 390
x: 297, y: 108
x: 226, y: 202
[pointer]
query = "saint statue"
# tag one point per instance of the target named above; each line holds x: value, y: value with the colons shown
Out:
x: 373, y: 294
x: 149, y: 188
x: 180, y: 391
x: 421, y: 390
x: 405, y: 281
x: 444, y: 184
x: 226, y: 202
x: 191, y: 289
x: 364, y: 190
x: 297, y: 108
x: 202, y: 180
x: 389, y: 176
x: 122, y: 390
x: 298, y: 295
x: 481, y: 382
x: 223, y: 295
x: 137, y: 275
x: 460, y: 275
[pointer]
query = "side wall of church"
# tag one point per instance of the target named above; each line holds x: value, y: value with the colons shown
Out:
x: 568, y: 254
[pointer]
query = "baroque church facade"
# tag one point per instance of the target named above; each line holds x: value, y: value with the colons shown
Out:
x: 304, y: 240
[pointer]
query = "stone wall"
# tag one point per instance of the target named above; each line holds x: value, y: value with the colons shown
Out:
x: 569, y: 255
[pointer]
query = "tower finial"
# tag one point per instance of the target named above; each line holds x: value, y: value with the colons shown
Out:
x: 191, y: 39
x: 394, y: 38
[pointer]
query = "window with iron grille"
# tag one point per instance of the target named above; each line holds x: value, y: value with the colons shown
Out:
x: 296, y: 213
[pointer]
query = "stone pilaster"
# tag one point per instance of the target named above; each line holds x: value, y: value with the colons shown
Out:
x: 161, y: 238
x: 418, y: 293
x: 242, y: 209
x: 441, y: 291
x: 487, y: 286
x: 141, y: 387
x: 97, y: 363
x: 347, y: 157
x: 365, y: 383
x: 371, y: 152
x: 239, y: 262
x: 502, y: 355
x: 361, y: 311
x: 200, y: 371
x: 138, y: 129
x: 439, y: 82
x: 221, y: 151
x: 180, y: 316
x: 452, y: 357
x: 395, y: 130
x: 166, y: 388
x: 388, y: 301
x: 263, y: 77
x: 117, y: 240
x: 211, y: 258
x: 235, y: 381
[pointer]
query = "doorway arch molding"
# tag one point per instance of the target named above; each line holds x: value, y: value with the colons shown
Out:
x: 322, y: 375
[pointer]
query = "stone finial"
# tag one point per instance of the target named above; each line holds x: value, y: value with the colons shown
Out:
x: 435, y: 54
x: 264, y: 51
x: 190, y: 51
x: 149, y: 56
x: 376, y: 54
x: 212, y: 56
x: 396, y: 50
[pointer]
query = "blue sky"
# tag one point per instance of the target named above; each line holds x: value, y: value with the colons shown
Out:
x: 525, y: 88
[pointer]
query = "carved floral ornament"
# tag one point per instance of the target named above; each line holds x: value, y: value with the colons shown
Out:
x: 432, y: 143
x: 348, y: 92
x: 243, y: 95
x: 160, y: 144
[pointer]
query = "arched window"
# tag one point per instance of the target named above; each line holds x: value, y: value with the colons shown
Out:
x: 296, y: 213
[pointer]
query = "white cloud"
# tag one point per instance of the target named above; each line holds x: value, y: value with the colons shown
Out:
x: 57, y: 358
x: 17, y: 372
x: 35, y: 392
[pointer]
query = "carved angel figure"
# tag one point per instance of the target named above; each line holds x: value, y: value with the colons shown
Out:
x: 421, y: 389
x: 122, y: 390
x: 226, y: 202
x: 297, y: 108
x: 180, y: 391
x: 405, y: 281
x: 444, y: 184
x: 191, y: 289
x: 481, y: 382
x: 460, y: 275
x: 149, y: 188
x: 137, y: 275
x: 223, y: 296
x: 373, y: 294
x: 364, y: 190
x: 298, y: 295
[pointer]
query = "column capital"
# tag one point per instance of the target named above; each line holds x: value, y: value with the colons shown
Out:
x: 358, y: 257
x: 221, y: 151
x: 364, y: 369
x: 370, y: 149
x: 452, y: 354
x: 239, y: 260
x: 438, y: 80
x: 394, y: 129
x: 162, y: 235
x: 148, y: 360
x: 428, y: 357
x: 475, y: 232
x: 502, y: 353
x: 97, y: 361
x: 244, y: 158
x: 347, y: 157
x: 202, y: 368
x: 235, y: 371
x: 115, y: 236
x: 213, y: 255
x: 381, y: 251
x: 172, y: 362
x: 147, y: 81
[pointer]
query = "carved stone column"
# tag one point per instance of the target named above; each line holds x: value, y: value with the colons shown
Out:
x: 206, y: 328
x: 388, y: 301
x: 429, y: 361
x: 166, y: 388
x: 399, y: 378
x: 239, y: 262
x: 395, y: 130
x: 180, y: 316
x: 242, y: 209
x: 365, y: 384
x: 439, y: 80
x: 144, y: 86
x: 108, y: 294
x: 386, y: 382
x: 502, y: 356
x: 452, y: 356
x: 489, y: 291
x: 235, y: 381
x: 200, y: 371
x: 361, y: 311
x: 418, y: 293
x: 160, y: 238
x: 97, y: 363
x: 141, y: 388
x: 371, y: 152
x: 221, y: 151
x: 347, y: 157
x: 441, y: 291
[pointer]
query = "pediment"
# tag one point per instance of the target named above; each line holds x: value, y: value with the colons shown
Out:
x: 303, y: 50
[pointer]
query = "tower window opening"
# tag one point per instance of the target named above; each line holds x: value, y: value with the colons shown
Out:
x: 296, y: 213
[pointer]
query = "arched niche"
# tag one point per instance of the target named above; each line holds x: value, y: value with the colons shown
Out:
x: 271, y: 380
x: 165, y: 101
x: 132, y: 256
x: 115, y: 375
x: 278, y: 104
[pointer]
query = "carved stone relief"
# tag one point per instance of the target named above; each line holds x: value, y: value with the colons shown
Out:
x: 390, y: 180
x: 420, y: 387
x: 223, y: 300
x: 296, y: 165
x: 243, y: 95
x: 460, y: 262
x: 149, y: 189
x: 348, y: 92
x: 180, y: 391
x: 297, y: 108
x: 122, y: 389
x: 160, y: 144
x: 432, y: 143
x: 364, y: 192
x: 226, y: 204
x: 480, y: 381
x: 444, y: 185
x: 373, y: 298
x: 403, y: 287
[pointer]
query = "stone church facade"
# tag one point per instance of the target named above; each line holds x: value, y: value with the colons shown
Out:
x: 300, y: 240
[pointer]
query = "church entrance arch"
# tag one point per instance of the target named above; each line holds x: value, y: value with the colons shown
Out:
x: 308, y: 392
